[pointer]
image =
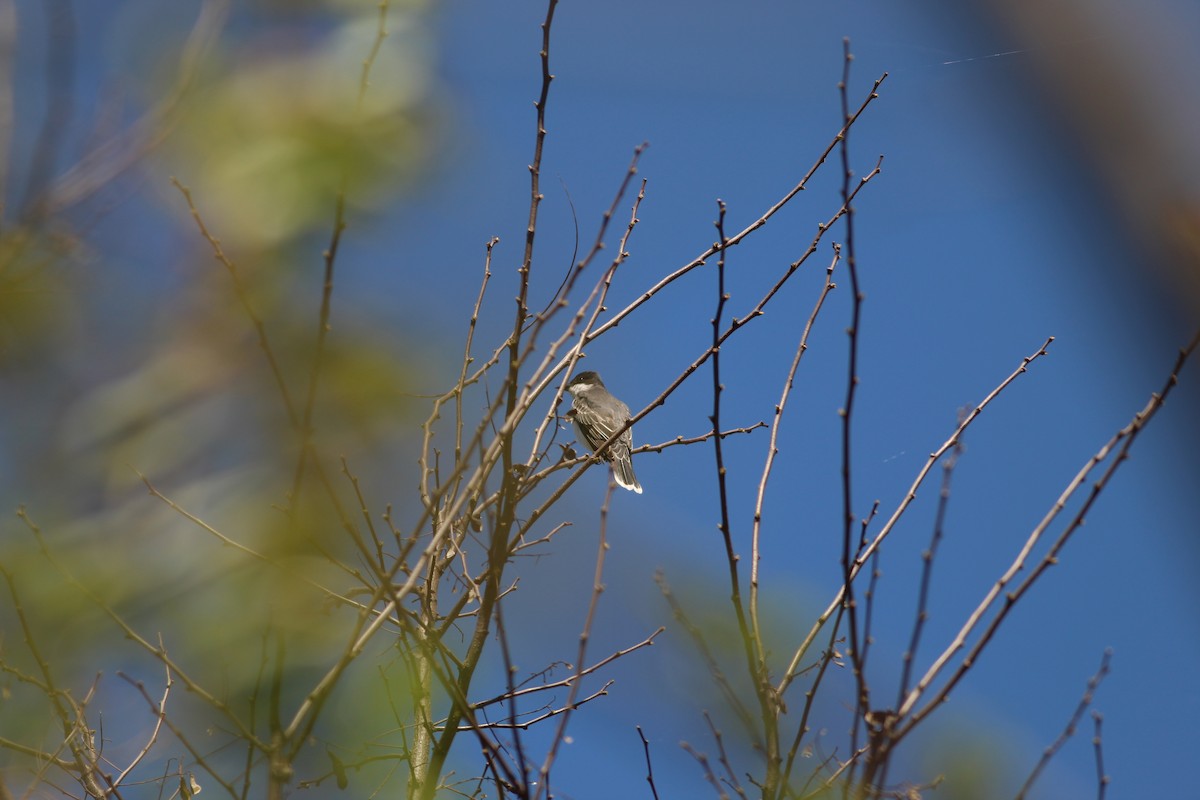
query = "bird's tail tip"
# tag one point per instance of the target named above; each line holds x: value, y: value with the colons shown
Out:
x: 623, y: 472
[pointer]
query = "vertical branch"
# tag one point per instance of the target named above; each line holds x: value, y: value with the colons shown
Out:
x: 560, y: 734
x: 421, y: 681
x: 715, y: 418
x: 773, y: 450
x: 60, y: 83
x: 1102, y: 780
x: 510, y: 488
x: 510, y: 670
x: 8, y: 48
x: 535, y: 202
x: 850, y: 550
x: 649, y: 766
x: 467, y: 358
x: 330, y: 258
x: 498, y: 546
x: 752, y: 647
x: 878, y: 759
x: 876, y: 574
x: 927, y: 558
x: 449, y: 487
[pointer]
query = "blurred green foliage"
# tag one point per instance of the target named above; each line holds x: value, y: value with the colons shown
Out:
x: 102, y: 387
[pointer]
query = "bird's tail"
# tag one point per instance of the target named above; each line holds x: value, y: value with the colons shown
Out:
x: 623, y: 472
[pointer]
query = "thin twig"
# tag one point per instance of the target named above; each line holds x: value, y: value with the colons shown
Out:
x: 243, y: 296
x: 730, y: 776
x: 1102, y: 779
x: 737, y: 238
x: 850, y: 550
x: 553, y: 712
x: 797, y: 657
x: 709, y: 775
x: 510, y: 669
x: 226, y: 540
x: 159, y: 653
x: 159, y: 713
x: 560, y: 735
x: 773, y: 445
x: 580, y: 673
x: 649, y: 766
x: 329, y: 257
x: 1125, y: 437
x: 1069, y: 731
x: 927, y: 559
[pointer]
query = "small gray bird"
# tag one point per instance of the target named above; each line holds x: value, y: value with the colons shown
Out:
x: 597, y: 416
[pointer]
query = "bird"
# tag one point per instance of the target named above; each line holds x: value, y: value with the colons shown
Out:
x: 597, y: 415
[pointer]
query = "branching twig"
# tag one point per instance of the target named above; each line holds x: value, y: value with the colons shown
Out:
x: 580, y: 673
x: 159, y: 653
x: 1069, y: 731
x: 709, y: 775
x: 737, y: 238
x: 927, y: 559
x: 160, y: 712
x: 911, y: 495
x: 730, y: 776
x: 1125, y: 437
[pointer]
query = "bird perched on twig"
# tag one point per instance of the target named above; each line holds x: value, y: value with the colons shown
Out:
x: 597, y: 415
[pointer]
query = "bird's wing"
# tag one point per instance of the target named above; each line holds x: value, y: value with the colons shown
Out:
x: 596, y: 429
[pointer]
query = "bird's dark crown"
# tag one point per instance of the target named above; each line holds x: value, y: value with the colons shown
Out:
x: 586, y: 377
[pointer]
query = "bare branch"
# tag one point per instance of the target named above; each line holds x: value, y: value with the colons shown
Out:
x: 1069, y: 731
x: 649, y: 766
x: 1102, y: 779
x: 911, y: 495
x: 1125, y: 437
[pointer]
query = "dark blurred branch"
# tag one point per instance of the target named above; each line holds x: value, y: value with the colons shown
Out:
x: 722, y: 682
x: 8, y: 55
x: 101, y: 165
x: 1130, y: 110
x: 60, y: 52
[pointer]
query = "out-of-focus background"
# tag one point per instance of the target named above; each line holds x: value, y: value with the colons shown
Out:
x: 1040, y: 174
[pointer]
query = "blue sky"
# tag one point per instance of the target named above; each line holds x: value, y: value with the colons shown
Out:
x: 988, y: 230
